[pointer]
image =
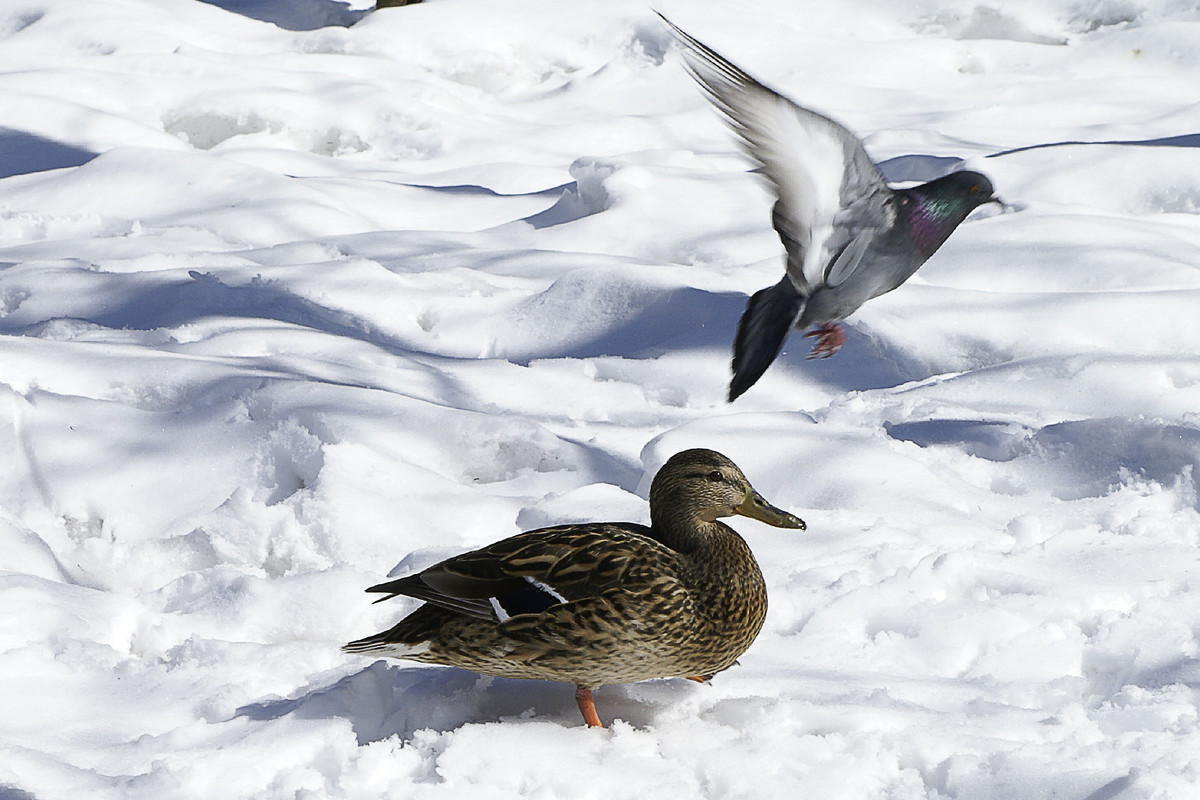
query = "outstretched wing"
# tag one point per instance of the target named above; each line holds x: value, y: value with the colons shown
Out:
x: 532, y: 572
x: 831, y: 196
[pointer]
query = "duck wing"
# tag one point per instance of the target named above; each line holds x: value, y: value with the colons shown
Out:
x: 532, y: 572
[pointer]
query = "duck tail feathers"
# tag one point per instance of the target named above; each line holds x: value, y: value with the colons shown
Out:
x: 381, y: 644
x: 409, y: 638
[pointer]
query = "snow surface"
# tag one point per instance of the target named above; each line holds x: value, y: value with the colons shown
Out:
x: 287, y: 308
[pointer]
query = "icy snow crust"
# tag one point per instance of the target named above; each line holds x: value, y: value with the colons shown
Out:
x: 287, y: 308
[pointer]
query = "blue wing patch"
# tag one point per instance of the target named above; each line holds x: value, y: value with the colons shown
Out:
x: 532, y: 599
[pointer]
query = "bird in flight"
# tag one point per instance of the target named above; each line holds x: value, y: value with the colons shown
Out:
x: 848, y: 236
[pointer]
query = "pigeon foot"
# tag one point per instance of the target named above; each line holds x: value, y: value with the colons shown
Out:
x: 830, y: 338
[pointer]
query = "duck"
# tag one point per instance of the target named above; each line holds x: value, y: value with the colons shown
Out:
x: 600, y: 603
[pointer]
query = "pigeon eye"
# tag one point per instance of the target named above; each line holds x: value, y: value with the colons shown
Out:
x: 974, y: 188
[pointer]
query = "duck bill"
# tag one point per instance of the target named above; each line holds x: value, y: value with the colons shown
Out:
x: 755, y: 507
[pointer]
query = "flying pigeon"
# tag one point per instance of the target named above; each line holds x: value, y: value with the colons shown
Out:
x: 848, y: 235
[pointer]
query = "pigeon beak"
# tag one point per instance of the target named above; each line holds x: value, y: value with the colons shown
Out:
x: 1003, y: 207
x: 755, y: 507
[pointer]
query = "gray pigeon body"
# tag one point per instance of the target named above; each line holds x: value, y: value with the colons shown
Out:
x: 849, y: 237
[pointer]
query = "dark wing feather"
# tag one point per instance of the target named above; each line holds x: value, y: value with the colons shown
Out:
x: 765, y: 324
x: 470, y: 598
x: 534, y: 571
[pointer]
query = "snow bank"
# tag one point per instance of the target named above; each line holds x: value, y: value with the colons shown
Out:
x: 294, y: 296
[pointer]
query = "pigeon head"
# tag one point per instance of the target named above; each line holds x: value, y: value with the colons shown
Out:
x: 971, y: 189
x: 940, y: 205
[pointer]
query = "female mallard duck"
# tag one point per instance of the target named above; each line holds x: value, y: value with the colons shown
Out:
x: 601, y: 602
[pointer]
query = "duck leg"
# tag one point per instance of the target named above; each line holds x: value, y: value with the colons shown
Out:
x: 701, y: 678
x: 830, y: 338
x: 587, y: 707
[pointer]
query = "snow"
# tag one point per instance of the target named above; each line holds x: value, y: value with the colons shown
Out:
x: 294, y: 296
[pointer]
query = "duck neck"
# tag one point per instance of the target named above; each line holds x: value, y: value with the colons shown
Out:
x: 682, y: 534
x: 717, y: 563
x: 712, y: 548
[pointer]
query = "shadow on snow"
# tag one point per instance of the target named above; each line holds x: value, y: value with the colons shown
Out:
x: 22, y: 153
x: 651, y: 322
x: 1088, y: 456
x: 1183, y: 140
x: 295, y: 15
x: 386, y: 700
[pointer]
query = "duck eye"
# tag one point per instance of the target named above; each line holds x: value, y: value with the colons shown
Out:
x: 716, y: 475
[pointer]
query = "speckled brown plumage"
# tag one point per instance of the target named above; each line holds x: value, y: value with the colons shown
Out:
x: 599, y: 603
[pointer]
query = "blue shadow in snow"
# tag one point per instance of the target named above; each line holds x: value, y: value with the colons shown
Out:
x: 1087, y: 457
x: 987, y: 439
x: 14, y: 793
x: 180, y: 301
x: 295, y: 15
x: 1182, y: 140
x: 22, y: 152
x: 918, y: 167
x: 688, y: 318
x: 385, y: 700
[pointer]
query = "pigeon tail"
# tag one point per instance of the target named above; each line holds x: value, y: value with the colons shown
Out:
x: 770, y: 314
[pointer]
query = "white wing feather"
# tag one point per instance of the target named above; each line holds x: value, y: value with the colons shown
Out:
x: 818, y: 168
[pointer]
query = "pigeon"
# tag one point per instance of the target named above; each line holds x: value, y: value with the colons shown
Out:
x: 848, y: 236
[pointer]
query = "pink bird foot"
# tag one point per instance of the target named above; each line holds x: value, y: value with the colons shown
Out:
x: 830, y: 338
